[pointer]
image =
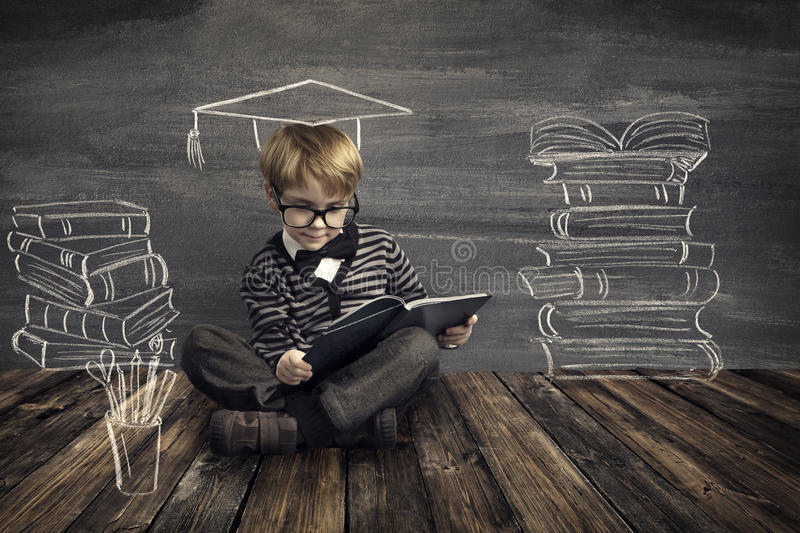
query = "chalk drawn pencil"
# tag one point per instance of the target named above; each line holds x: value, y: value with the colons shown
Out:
x: 163, y: 392
x: 150, y: 387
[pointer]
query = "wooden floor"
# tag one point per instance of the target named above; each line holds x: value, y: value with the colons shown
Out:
x: 479, y: 452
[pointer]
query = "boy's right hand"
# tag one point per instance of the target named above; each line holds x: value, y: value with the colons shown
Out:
x: 292, y: 369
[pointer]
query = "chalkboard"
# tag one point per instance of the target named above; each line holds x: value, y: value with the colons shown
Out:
x: 99, y: 102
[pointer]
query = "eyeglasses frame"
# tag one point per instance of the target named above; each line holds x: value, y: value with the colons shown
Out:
x: 317, y: 212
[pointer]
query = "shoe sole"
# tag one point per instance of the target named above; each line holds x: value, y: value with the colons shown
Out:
x: 386, y: 428
x: 217, y: 442
x: 279, y: 437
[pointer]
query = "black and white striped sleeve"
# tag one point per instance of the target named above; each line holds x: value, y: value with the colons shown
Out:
x: 403, y: 281
x: 268, y: 311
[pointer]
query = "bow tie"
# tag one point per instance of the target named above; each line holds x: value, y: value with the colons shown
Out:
x: 342, y: 247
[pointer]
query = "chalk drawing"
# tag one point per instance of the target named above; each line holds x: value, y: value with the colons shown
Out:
x: 654, y: 141
x: 105, y: 367
x: 558, y: 321
x: 608, y: 194
x: 98, y: 283
x: 622, y: 222
x: 293, y: 104
x: 687, y: 253
x: 674, y: 359
x: 625, y: 283
x: 133, y: 419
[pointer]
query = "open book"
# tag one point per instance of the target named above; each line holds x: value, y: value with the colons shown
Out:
x: 660, y: 147
x: 354, y: 334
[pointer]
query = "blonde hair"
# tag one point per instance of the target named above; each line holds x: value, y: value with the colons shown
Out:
x: 297, y: 153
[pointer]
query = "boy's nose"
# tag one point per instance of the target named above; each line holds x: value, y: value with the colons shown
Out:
x: 318, y: 222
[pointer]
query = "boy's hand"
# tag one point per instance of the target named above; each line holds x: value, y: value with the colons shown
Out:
x: 457, y: 335
x: 292, y: 369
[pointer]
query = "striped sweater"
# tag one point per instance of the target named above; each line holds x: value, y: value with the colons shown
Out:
x: 289, y: 310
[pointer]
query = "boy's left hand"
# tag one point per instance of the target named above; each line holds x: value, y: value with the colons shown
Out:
x: 457, y: 335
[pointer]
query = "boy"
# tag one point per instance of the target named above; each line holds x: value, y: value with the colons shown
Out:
x: 320, y: 266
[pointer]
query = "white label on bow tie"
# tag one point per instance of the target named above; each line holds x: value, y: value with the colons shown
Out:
x: 328, y: 267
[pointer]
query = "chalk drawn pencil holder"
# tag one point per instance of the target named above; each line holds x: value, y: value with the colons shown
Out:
x: 136, y: 448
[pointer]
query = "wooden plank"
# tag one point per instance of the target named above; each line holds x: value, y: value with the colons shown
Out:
x: 209, y: 494
x: 54, y: 495
x: 734, y: 479
x: 645, y: 499
x: 385, y: 491
x: 782, y: 381
x: 182, y: 436
x: 32, y: 432
x: 753, y: 408
x: 544, y: 488
x: 462, y: 493
x: 21, y: 385
x: 301, y: 492
x: 765, y: 398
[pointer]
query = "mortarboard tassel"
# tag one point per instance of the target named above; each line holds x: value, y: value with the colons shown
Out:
x: 194, y: 153
x: 255, y: 131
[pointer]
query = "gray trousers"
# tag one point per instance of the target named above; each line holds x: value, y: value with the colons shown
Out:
x: 223, y: 366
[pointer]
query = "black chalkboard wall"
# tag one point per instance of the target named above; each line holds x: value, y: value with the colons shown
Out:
x: 97, y: 100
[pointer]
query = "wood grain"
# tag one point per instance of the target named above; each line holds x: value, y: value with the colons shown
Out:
x: 646, y: 500
x: 385, y: 490
x: 18, y: 386
x: 181, y: 438
x: 34, y: 431
x: 209, y: 494
x: 55, y: 494
x: 302, y: 492
x: 748, y: 405
x: 546, y: 491
x: 726, y: 474
x: 462, y: 492
x: 479, y: 452
x: 783, y: 381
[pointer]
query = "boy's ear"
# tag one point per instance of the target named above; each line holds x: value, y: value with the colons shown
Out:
x: 270, y: 197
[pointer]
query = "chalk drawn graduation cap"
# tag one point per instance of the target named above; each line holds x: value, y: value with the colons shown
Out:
x: 307, y: 102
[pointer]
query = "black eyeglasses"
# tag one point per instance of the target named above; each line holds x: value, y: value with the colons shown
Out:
x: 296, y: 216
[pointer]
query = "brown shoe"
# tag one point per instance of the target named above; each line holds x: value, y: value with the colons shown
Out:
x: 252, y: 432
x: 377, y: 433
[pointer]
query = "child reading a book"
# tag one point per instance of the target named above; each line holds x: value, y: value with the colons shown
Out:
x: 321, y: 266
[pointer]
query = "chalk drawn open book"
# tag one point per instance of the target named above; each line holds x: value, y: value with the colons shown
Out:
x: 581, y: 150
x: 359, y: 331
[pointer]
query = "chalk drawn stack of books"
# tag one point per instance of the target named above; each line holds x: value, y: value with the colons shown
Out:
x: 99, y: 285
x: 622, y: 284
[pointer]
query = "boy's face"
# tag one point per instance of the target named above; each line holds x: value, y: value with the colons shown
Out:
x: 316, y: 235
